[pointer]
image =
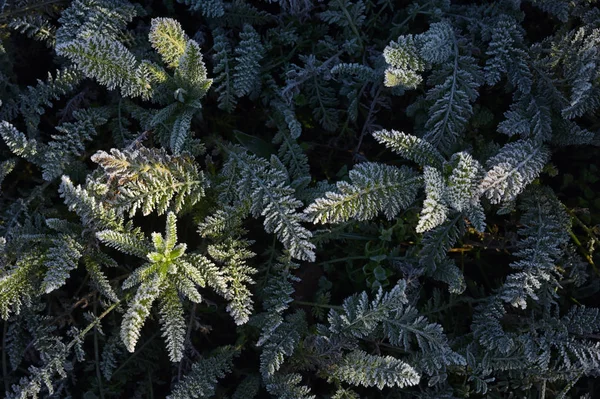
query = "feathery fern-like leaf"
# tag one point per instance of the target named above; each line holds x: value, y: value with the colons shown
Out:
x: 373, y: 188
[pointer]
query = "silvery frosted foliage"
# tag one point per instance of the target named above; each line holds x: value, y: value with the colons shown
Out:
x: 248, y: 388
x: 346, y: 14
x: 248, y: 54
x: 360, y: 198
x: 149, y: 179
x: 180, y: 94
x: 87, y: 18
x: 455, y: 79
x: 110, y: 62
x: 45, y: 93
x: 169, y: 273
x: 451, y: 97
x: 61, y: 258
x: 450, y: 186
x: 54, y: 157
x: 529, y: 116
x: 438, y: 241
x: 463, y: 181
x: 312, y: 78
x: 113, y: 65
x: 435, y: 210
x: 374, y: 188
x: 265, y: 185
x: 388, y: 317
x: 508, y: 56
x: 17, y: 141
x: 223, y: 71
x: 86, y: 203
x: 6, y: 167
x: 190, y: 74
x: 43, y: 261
x: 287, y: 386
x: 344, y: 393
x: 360, y: 368
x: 436, y: 45
x: 410, y: 147
x: 282, y: 343
x: 208, y: 8
x: 408, y: 329
x: 234, y: 278
x: 168, y: 39
x: 578, y: 56
x: 200, y: 382
x: 404, y: 63
x: 511, y: 169
x: 35, y: 27
x: 290, y: 152
x: 278, y: 296
x: 16, y: 286
x: 544, y: 234
x: 360, y: 317
x: 552, y: 346
x: 55, y: 363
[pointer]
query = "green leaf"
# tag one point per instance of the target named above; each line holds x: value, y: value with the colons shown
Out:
x: 168, y: 39
x: 254, y: 144
x: 379, y: 273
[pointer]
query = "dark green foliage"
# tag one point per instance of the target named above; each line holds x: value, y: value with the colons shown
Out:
x: 299, y: 199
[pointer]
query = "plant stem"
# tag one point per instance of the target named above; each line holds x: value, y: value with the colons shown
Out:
x: 31, y: 7
x: 137, y: 352
x: 584, y: 252
x: 96, y: 355
x: 351, y: 22
x: 4, y: 366
x: 93, y: 324
x: 150, y: 385
x: 589, y: 231
x: 187, y: 339
x: 390, y: 347
x: 367, y: 123
x: 318, y: 305
x: 269, y: 263
x: 452, y: 304
x: 407, y: 20
x: 338, y: 260
x: 543, y: 392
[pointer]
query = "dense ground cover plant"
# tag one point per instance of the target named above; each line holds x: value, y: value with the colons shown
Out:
x: 299, y: 199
